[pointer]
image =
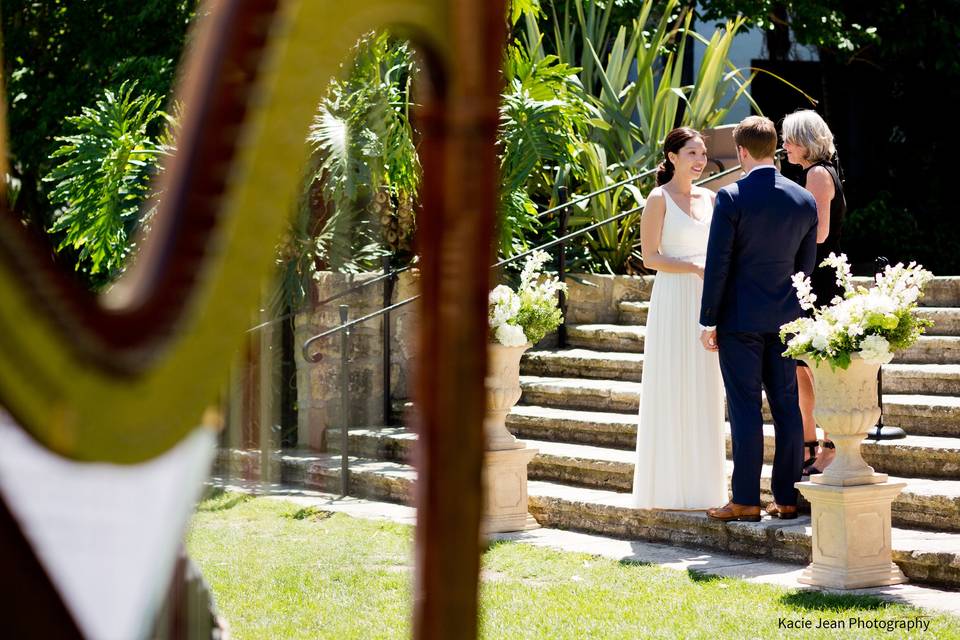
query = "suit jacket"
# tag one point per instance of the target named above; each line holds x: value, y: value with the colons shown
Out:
x: 764, y: 230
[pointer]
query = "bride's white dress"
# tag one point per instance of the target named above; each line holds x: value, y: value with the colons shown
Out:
x: 680, y: 445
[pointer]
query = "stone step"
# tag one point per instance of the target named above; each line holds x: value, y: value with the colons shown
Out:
x: 924, y: 556
x: 942, y: 291
x: 594, y: 298
x: 607, y: 337
x: 630, y: 339
x: 930, y: 557
x: 922, y: 379
x: 579, y: 393
x: 913, y: 456
x: 933, y: 504
x: 946, y: 320
x: 927, y: 415
x: 924, y: 503
x: 923, y: 415
x: 594, y: 428
x: 931, y: 350
x: 634, y: 311
x: 582, y: 363
x: 926, y: 379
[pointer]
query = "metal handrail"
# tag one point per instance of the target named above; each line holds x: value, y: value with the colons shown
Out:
x: 587, y: 196
x: 352, y: 323
x: 395, y: 272
x: 365, y: 283
x: 547, y: 245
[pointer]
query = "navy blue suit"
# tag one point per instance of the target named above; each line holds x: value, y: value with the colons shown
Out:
x: 764, y: 230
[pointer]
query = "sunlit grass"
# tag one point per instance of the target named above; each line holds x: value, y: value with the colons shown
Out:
x: 279, y: 570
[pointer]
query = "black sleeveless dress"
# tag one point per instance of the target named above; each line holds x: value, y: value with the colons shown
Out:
x: 824, y: 279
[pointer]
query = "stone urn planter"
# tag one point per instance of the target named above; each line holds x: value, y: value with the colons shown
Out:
x: 506, y: 458
x: 850, y: 502
x: 503, y: 391
x: 846, y: 407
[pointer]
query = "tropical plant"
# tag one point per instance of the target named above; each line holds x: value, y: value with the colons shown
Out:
x: 367, y: 159
x: 102, y: 177
x: 360, y: 186
x: 543, y: 117
x: 59, y: 56
x: 632, y: 79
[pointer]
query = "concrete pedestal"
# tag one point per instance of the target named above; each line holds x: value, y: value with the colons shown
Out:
x: 505, y: 461
x: 505, y: 488
x: 849, y: 469
x: 851, y: 535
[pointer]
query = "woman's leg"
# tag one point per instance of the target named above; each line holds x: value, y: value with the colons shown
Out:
x: 807, y: 403
x: 805, y: 391
x: 805, y: 394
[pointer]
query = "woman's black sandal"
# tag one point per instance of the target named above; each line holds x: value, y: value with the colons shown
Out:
x: 812, y: 451
x: 812, y: 470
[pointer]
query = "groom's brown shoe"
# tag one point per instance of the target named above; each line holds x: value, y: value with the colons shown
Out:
x: 735, y: 512
x: 782, y: 511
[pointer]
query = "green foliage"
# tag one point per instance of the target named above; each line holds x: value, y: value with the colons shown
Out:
x: 60, y: 55
x: 631, y: 75
x: 543, y: 115
x: 824, y: 23
x: 365, y: 162
x: 537, y: 318
x: 102, y: 178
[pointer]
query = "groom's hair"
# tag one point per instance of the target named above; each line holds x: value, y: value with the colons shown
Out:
x: 758, y: 135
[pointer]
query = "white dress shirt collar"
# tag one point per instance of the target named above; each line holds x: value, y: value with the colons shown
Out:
x: 762, y: 166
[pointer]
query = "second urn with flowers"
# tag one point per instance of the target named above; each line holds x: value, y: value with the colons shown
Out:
x: 518, y: 320
x: 845, y: 343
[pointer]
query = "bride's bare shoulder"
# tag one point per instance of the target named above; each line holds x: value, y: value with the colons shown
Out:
x: 707, y: 193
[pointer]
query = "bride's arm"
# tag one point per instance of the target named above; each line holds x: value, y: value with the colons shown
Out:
x: 651, y: 230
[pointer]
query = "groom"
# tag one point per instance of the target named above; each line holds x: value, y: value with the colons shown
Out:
x: 763, y: 231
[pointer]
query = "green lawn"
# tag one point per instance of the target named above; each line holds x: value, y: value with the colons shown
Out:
x: 280, y: 571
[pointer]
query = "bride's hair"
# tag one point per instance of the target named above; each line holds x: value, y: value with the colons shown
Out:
x: 672, y: 144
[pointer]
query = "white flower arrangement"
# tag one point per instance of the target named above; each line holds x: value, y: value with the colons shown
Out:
x: 874, y: 323
x: 532, y: 311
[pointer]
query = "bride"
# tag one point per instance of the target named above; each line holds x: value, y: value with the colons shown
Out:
x: 680, y: 448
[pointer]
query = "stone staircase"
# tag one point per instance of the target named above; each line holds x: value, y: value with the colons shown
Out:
x: 579, y: 409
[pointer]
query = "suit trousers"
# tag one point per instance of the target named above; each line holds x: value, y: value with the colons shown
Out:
x: 750, y: 362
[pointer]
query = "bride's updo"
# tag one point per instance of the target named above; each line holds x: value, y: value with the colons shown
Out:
x: 672, y: 144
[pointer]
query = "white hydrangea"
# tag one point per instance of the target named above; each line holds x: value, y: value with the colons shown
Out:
x: 876, y: 349
x: 821, y: 335
x: 510, y: 335
x: 504, y: 306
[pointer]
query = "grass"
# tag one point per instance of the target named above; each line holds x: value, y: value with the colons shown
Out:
x: 279, y: 570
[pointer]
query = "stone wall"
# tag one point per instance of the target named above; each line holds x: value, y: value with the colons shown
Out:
x: 591, y: 299
x: 595, y: 298
x: 318, y: 384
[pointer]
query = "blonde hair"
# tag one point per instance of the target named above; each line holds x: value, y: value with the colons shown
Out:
x: 807, y: 129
